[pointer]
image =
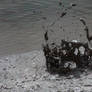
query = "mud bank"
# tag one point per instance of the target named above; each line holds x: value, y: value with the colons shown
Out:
x: 27, y: 73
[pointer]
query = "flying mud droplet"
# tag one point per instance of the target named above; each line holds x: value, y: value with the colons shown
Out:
x: 73, y: 4
x: 63, y: 14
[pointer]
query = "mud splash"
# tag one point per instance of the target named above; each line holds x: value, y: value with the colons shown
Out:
x: 69, y: 55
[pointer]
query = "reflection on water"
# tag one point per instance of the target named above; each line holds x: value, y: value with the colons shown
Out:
x: 18, y: 20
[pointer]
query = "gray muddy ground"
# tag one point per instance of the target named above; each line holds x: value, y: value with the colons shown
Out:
x: 27, y: 73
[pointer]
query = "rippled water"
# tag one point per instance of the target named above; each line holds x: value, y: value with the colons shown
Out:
x: 20, y: 26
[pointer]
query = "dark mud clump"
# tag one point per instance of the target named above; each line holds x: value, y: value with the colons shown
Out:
x: 67, y: 57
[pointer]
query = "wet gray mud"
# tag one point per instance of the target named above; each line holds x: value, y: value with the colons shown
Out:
x: 27, y: 73
x: 21, y: 22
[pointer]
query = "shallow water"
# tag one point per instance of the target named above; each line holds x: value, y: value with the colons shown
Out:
x: 21, y: 21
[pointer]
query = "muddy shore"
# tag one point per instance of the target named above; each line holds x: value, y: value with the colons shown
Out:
x: 27, y: 73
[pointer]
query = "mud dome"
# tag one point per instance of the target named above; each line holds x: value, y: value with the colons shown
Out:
x: 27, y: 73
